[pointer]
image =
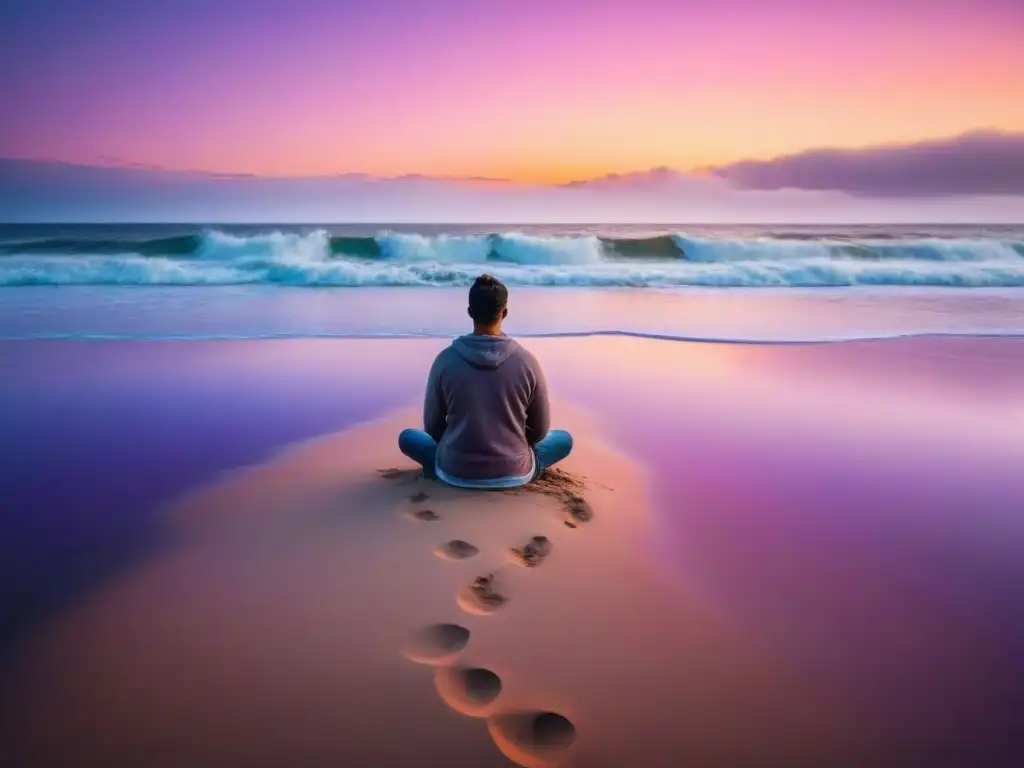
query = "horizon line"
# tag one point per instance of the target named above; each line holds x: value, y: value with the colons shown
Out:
x: 140, y: 167
x: 624, y: 223
x: 705, y: 170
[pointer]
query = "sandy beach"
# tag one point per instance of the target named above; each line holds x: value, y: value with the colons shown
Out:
x: 283, y: 625
x: 738, y: 286
x: 726, y: 596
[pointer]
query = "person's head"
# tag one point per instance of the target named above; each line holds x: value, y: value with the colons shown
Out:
x: 488, y: 302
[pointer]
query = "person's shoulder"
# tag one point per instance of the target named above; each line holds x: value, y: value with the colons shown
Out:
x: 446, y: 352
x: 444, y: 356
x: 526, y: 356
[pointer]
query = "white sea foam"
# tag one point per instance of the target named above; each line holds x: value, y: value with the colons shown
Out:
x: 710, y: 250
x: 291, y: 246
x: 527, y: 249
x: 290, y: 270
x: 306, y: 259
x: 441, y: 248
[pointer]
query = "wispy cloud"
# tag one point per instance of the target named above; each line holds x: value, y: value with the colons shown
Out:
x: 118, y: 162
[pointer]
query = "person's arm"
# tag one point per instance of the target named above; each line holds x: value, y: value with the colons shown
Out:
x: 538, y: 413
x: 435, y: 412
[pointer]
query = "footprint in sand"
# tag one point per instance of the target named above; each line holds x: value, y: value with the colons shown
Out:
x: 532, y: 739
x: 578, y: 511
x: 456, y: 549
x: 534, y: 552
x: 482, y: 597
x: 436, y: 644
x: 467, y: 690
x: 424, y: 515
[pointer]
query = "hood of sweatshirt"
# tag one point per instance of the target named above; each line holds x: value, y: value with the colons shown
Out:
x: 485, y: 351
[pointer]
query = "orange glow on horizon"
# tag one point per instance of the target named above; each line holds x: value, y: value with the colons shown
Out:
x: 579, y: 96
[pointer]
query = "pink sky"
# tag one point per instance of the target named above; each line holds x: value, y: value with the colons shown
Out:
x: 537, y: 91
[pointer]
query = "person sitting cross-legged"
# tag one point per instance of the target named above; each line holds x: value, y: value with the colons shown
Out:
x: 486, y: 414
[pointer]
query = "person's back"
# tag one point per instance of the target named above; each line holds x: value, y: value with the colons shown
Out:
x: 486, y: 405
x: 486, y: 412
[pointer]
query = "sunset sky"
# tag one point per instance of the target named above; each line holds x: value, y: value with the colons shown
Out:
x: 532, y: 90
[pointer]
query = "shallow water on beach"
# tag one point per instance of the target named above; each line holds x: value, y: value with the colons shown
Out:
x: 854, y: 507
x: 858, y: 508
x: 710, y: 314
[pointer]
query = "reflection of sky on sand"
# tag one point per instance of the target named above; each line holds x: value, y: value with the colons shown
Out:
x: 96, y: 435
x: 294, y: 590
x: 855, y: 507
x: 769, y: 431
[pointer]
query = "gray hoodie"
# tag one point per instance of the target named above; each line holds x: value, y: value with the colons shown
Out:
x: 486, y: 405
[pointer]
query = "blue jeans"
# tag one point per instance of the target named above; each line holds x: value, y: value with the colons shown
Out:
x: 421, y: 448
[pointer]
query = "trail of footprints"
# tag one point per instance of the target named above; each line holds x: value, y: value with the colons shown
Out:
x: 528, y: 738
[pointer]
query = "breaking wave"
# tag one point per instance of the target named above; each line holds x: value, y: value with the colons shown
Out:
x: 392, y: 259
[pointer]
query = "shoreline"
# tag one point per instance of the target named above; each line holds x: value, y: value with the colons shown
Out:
x: 701, y: 315
x: 924, y: 336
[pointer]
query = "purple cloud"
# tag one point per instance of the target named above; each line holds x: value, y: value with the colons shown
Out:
x: 33, y: 190
x: 976, y: 163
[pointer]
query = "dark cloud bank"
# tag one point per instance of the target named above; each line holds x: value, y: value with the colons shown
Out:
x: 975, y: 163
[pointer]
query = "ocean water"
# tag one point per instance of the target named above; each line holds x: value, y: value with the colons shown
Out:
x: 736, y: 283
x: 608, y: 256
